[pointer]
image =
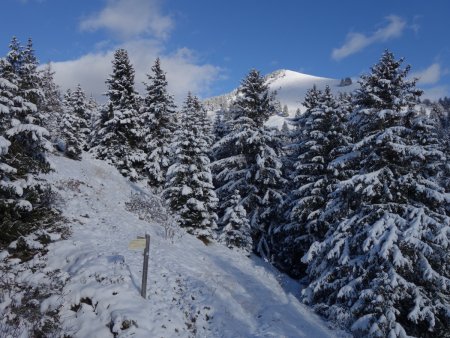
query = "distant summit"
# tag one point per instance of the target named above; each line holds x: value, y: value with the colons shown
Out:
x: 290, y: 88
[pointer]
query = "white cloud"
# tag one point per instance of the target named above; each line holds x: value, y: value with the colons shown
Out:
x: 143, y: 28
x: 184, y: 72
x: 130, y: 18
x: 436, y: 93
x: 28, y: 1
x: 356, y: 42
x: 430, y: 75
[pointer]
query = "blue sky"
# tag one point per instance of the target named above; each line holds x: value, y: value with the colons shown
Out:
x: 207, y: 46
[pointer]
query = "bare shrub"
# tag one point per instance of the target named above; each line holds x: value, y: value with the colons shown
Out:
x: 151, y: 209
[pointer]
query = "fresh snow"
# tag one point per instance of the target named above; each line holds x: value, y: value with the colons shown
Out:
x: 193, y: 290
x: 4, y: 145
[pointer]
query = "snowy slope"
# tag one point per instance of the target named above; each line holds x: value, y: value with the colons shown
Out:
x: 194, y: 290
x: 290, y: 88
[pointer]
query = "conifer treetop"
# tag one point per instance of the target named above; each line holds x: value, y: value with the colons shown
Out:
x: 387, y: 86
x: 14, y: 55
x: 312, y: 97
x: 255, y: 101
x: 120, y: 84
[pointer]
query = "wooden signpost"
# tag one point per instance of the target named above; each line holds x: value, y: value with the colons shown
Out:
x: 138, y: 244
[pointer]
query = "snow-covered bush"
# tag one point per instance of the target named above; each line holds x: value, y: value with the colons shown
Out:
x: 26, y: 284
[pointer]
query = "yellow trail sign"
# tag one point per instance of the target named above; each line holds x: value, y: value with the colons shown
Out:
x: 137, y: 244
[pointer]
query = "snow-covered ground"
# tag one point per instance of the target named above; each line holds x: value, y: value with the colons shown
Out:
x: 194, y: 290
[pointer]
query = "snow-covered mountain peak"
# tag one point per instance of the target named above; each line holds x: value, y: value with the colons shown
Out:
x: 290, y: 88
x: 285, y: 76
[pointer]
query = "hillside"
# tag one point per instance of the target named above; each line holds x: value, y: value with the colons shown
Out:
x: 290, y: 88
x: 194, y: 290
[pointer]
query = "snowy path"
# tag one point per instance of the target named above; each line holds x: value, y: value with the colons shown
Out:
x: 193, y: 291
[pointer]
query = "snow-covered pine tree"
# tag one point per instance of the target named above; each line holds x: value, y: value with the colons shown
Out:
x: 70, y: 126
x: 289, y: 238
x: 235, y: 232
x: 285, y: 111
x: 30, y: 82
x: 219, y: 126
x: 222, y: 124
x: 92, y: 106
x: 285, y: 128
x: 8, y: 91
x: 445, y: 102
x: 94, y: 112
x: 51, y: 101
x: 312, y: 97
x: 189, y: 190
x: 446, y: 141
x: 431, y: 129
x: 285, y: 133
x: 383, y: 265
x: 28, y: 138
x: 7, y: 191
x: 14, y: 58
x: 50, y: 104
x: 310, y: 101
x: 343, y: 158
x: 248, y: 160
x: 80, y: 108
x: 7, y: 95
x: 11, y: 202
x: 158, y: 116
x: 207, y: 128
x: 441, y: 115
x: 290, y: 139
x: 277, y: 107
x: 254, y: 100
x: 315, y: 146
x: 23, y: 198
x: 291, y: 145
x: 118, y: 136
